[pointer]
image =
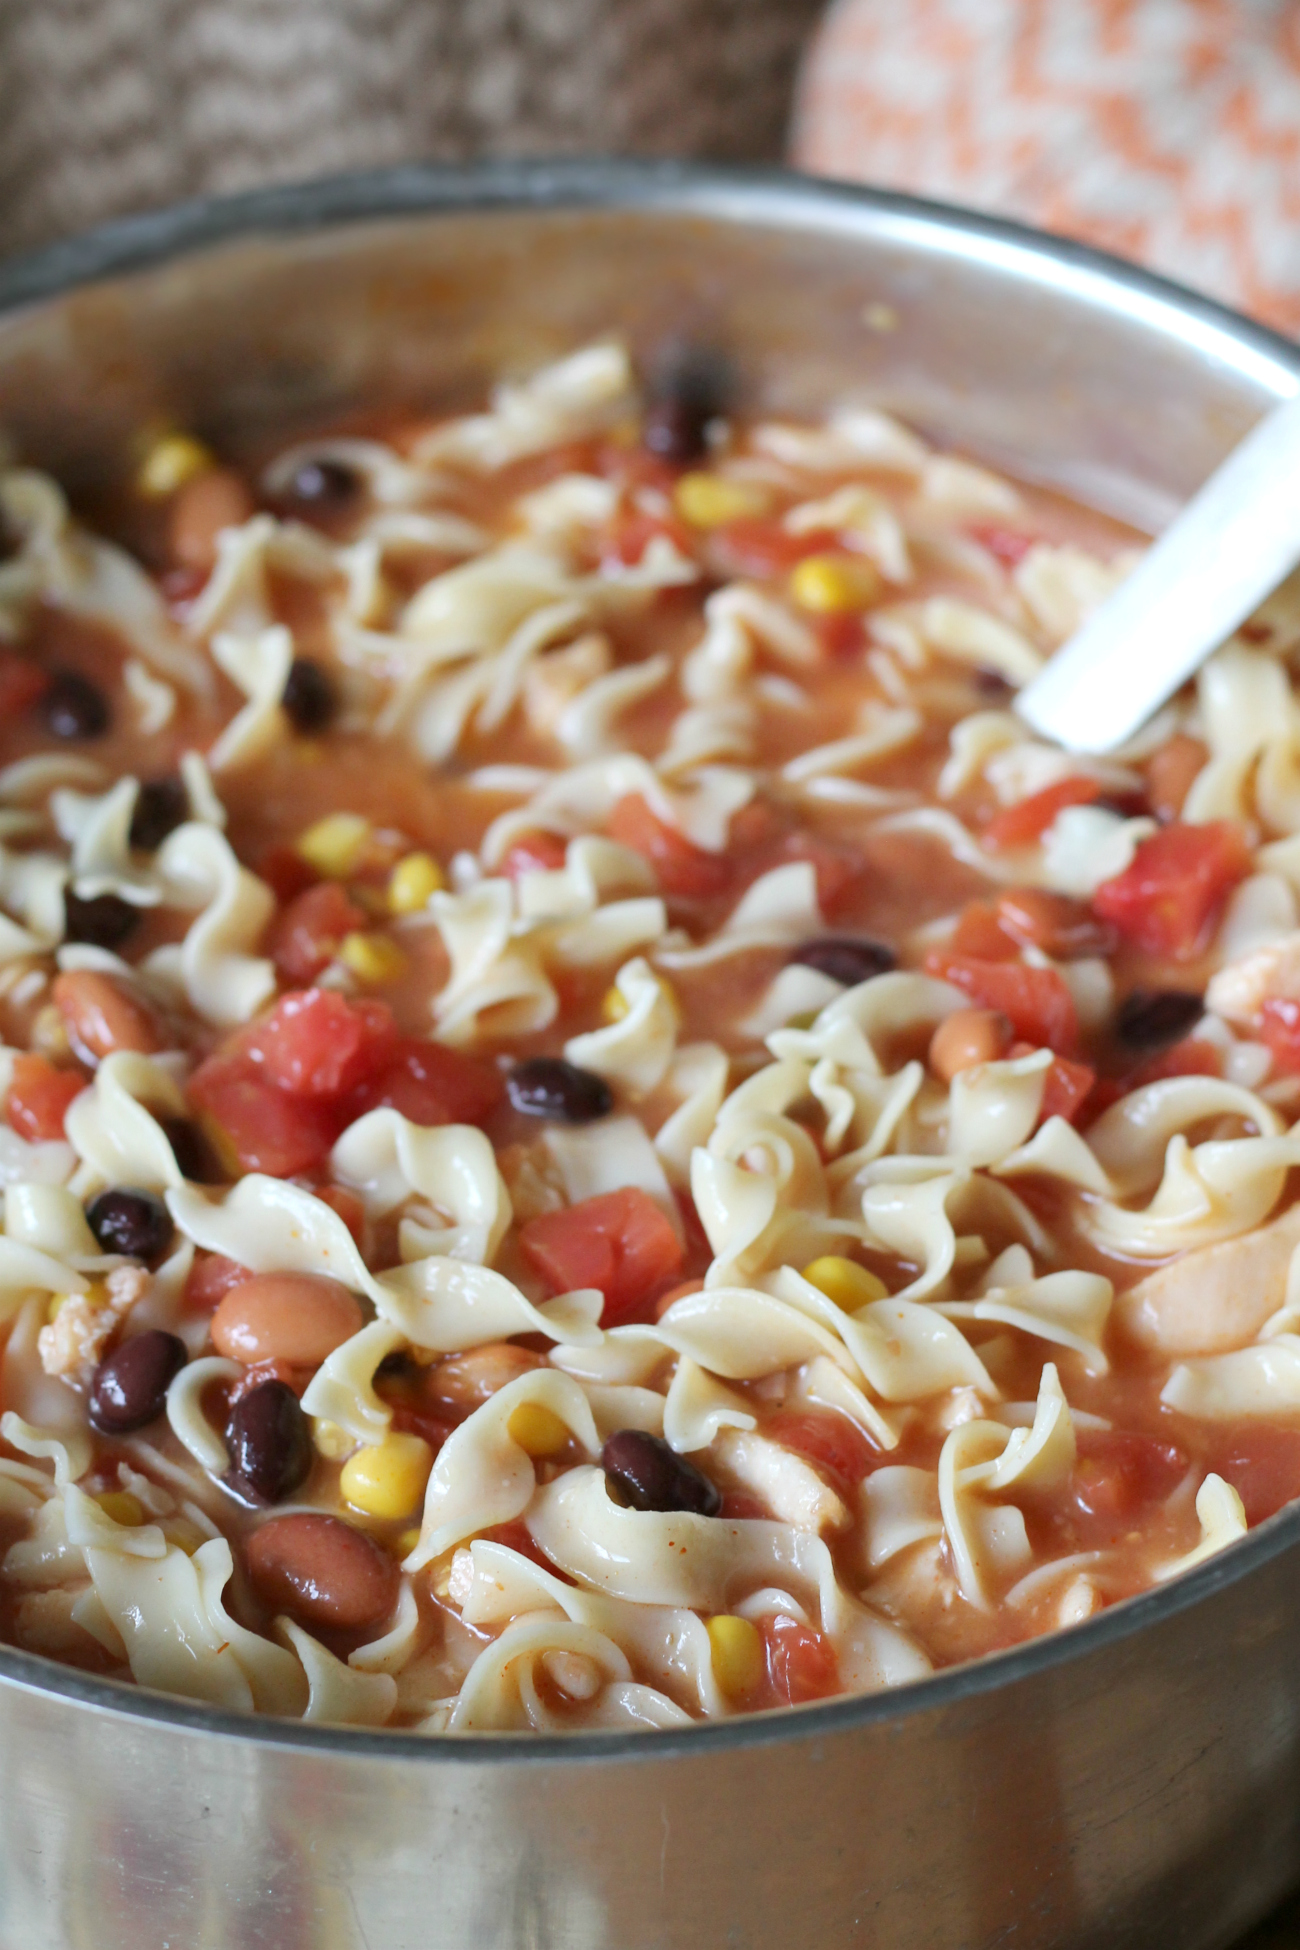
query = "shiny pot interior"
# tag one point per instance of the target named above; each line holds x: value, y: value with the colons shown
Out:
x: 1130, y: 1782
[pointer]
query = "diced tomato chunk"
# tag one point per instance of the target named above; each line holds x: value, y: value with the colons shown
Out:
x: 1171, y: 894
x: 538, y: 852
x: 1027, y: 821
x: 826, y: 1438
x: 618, y: 1241
x: 305, y: 937
x: 801, y: 1663
x: 1279, y: 1027
x: 1193, y: 1057
x: 633, y: 529
x: 1067, y: 1090
x: 1036, y: 1000
x: 39, y: 1095
x: 1118, y: 1471
x: 210, y: 1279
x: 432, y: 1084
x: 348, y: 1206
x: 266, y: 1129
x: 317, y: 1043
x: 1009, y: 545
x: 682, y: 867
x: 836, y: 867
x: 22, y: 681
x: 287, y: 874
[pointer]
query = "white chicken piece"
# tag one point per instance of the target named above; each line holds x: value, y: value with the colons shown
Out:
x: 1240, y: 989
x: 1215, y: 1298
x: 790, y: 1487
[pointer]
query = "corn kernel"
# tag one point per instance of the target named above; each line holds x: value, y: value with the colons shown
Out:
x: 737, y: 1649
x: 170, y: 463
x: 849, y: 1285
x: 372, y: 957
x: 406, y: 1540
x: 537, y: 1430
x: 334, y: 845
x: 187, y: 1535
x: 710, y: 500
x: 330, y: 1441
x: 835, y: 585
x: 122, y: 1507
x: 387, y: 1480
x: 412, y: 881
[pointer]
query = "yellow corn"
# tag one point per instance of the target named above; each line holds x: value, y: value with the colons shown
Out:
x: 170, y: 462
x: 737, y: 1649
x: 330, y: 1441
x: 835, y: 585
x: 710, y: 500
x: 537, y: 1430
x: 388, y: 1479
x: 412, y: 881
x: 122, y: 1507
x: 406, y: 1540
x: 372, y: 957
x: 188, y: 1535
x: 334, y: 845
x: 849, y: 1285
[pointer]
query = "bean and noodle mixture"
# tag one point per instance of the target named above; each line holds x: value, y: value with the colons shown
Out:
x: 595, y: 1135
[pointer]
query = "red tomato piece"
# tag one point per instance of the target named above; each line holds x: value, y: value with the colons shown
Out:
x: 305, y: 937
x: 836, y: 867
x: 1193, y: 1057
x: 1121, y: 1470
x: 1263, y: 1466
x: 1067, y: 1090
x: 22, y: 681
x: 38, y: 1097
x: 266, y: 1129
x: 317, y: 1043
x: 211, y: 1278
x: 1170, y: 895
x: 432, y: 1084
x: 981, y: 934
x: 1007, y: 544
x: 286, y: 873
x: 633, y: 529
x: 1036, y: 1000
x: 800, y: 1662
x: 618, y: 1241
x: 1279, y: 1027
x: 535, y: 853
x: 826, y: 1438
x: 1027, y: 821
x: 409, y: 1418
x: 682, y: 867
x: 347, y: 1205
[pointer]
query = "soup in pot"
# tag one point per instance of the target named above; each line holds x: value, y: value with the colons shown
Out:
x: 596, y: 1135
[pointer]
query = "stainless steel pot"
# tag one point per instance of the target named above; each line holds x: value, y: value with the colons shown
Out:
x: 1135, y: 1781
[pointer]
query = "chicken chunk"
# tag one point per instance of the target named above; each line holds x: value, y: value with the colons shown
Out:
x: 1215, y: 1298
x: 790, y: 1487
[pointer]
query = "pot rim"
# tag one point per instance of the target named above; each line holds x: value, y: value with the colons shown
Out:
x: 778, y: 197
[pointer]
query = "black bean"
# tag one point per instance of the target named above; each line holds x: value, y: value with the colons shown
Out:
x: 161, y: 806
x: 191, y: 1151
x: 846, y: 958
x: 73, y: 707
x: 1152, y: 1018
x: 650, y: 1475
x: 104, y: 922
x: 130, y: 1384
x: 691, y: 390
x: 547, y: 1086
x: 269, y: 1443
x: 127, y: 1220
x: 308, y: 695
x: 324, y: 484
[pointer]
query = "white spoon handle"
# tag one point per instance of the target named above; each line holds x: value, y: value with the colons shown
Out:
x: 1230, y: 546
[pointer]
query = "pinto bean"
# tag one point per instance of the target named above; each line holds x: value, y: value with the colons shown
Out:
x: 102, y: 1015
x: 969, y: 1037
x: 295, y: 1318
x: 465, y: 1381
x: 322, y: 1571
x: 207, y: 503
